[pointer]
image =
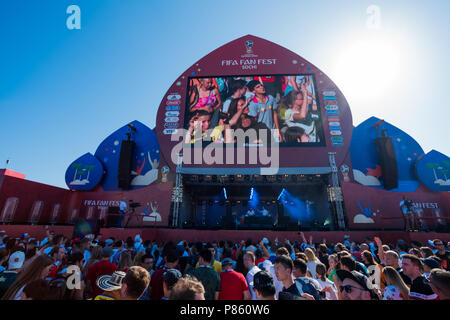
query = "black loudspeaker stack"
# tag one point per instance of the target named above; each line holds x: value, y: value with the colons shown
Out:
x: 125, y: 162
x: 386, y: 152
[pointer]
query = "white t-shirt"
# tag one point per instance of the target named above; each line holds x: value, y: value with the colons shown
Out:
x: 310, y: 129
x: 327, y: 283
x: 250, y: 275
x: 123, y: 206
x: 277, y: 283
x: 392, y: 293
x: 312, y: 267
x: 265, y: 212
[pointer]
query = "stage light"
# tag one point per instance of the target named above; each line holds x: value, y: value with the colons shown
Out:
x: 281, y: 193
x: 225, y: 193
x: 251, y: 193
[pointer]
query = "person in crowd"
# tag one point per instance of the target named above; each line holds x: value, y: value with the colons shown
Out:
x: 187, y: 288
x: 355, y: 286
x: 333, y: 262
x: 208, y: 97
x: 233, y: 284
x: 305, y: 284
x: 7, y: 277
x: 135, y: 283
x: 426, y: 252
x: 263, y: 286
x: 215, y: 264
x: 442, y: 253
x: 420, y: 288
x: 249, y: 263
x: 118, y: 248
x: 321, y: 277
x: 35, y: 290
x: 429, y: 264
x: 440, y: 283
x: 125, y: 261
x: 390, y: 258
x: 207, y: 276
x: 146, y: 262
x: 323, y: 255
x: 156, y: 282
x: 103, y: 267
x: 396, y: 288
x: 372, y: 267
x: 96, y: 256
x: 170, y: 279
x: 311, y: 262
x: 38, y: 268
x: 57, y: 254
x: 110, y: 286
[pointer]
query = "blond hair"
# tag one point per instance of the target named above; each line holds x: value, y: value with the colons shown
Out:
x: 393, y: 278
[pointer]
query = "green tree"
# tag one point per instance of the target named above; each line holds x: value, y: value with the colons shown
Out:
x: 76, y: 167
x: 444, y: 172
x: 89, y: 169
x: 433, y: 166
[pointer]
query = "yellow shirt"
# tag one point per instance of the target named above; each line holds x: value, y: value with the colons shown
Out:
x: 102, y: 297
x: 216, y: 265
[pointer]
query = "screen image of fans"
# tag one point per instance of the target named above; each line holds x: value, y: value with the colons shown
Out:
x: 280, y: 108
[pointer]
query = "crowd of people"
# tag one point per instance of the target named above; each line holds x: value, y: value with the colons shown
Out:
x: 93, y: 268
x: 285, y: 104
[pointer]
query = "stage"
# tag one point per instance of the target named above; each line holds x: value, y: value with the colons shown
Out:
x: 193, y: 235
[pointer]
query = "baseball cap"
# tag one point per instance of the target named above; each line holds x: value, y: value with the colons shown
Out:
x: 359, y: 278
x: 107, y: 251
x: 16, y: 260
x: 109, y: 242
x: 251, y: 248
x: 171, y: 276
x: 227, y: 261
x: 111, y: 282
x: 431, y: 263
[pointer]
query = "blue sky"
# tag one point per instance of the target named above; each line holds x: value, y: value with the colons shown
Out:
x: 63, y: 91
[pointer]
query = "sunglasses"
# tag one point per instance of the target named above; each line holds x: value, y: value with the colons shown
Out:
x: 348, y: 288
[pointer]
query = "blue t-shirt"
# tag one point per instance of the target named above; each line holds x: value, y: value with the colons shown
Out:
x: 263, y: 111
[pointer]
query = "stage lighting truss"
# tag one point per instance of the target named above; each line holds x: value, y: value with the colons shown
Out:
x: 334, y: 194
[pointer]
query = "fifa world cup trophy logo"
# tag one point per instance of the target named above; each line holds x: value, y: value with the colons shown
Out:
x: 164, y: 172
x: 249, y: 46
x: 344, y: 171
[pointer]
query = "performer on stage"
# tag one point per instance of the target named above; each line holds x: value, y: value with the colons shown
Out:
x: 122, y: 211
x: 406, y: 206
x: 264, y: 212
x: 250, y: 212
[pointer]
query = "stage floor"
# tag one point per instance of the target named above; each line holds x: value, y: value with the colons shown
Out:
x: 192, y: 235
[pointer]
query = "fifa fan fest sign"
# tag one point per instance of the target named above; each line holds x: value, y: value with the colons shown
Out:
x: 287, y: 113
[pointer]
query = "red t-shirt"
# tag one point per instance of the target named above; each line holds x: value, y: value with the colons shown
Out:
x: 96, y: 270
x: 233, y: 285
x: 156, y: 284
x: 258, y: 261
